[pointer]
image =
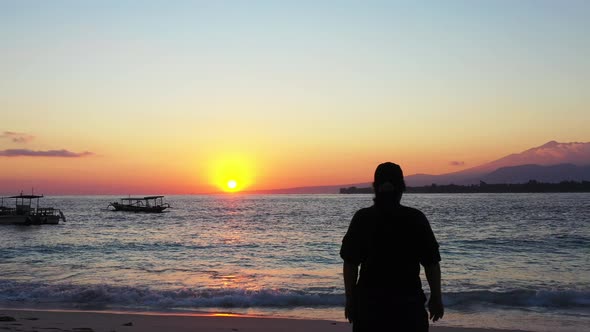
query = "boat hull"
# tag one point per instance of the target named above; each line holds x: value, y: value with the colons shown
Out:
x: 132, y: 208
x: 28, y: 220
x: 48, y: 220
x: 13, y: 220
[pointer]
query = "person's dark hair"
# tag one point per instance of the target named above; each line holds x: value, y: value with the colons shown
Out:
x: 388, y: 184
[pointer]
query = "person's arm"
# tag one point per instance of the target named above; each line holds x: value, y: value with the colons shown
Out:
x: 350, y: 272
x: 435, y: 305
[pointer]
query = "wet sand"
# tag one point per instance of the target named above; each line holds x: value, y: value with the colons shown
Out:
x: 80, y: 321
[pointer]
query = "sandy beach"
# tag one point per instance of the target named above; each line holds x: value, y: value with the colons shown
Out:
x: 76, y: 321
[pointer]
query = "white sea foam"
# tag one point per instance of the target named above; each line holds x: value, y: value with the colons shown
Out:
x: 138, y: 297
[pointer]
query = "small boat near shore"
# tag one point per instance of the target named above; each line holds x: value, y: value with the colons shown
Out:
x: 149, y: 204
x: 24, y: 214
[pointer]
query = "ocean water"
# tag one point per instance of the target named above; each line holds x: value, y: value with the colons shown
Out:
x: 509, y: 260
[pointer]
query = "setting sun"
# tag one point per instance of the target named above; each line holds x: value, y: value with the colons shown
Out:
x: 231, y: 173
x: 232, y: 184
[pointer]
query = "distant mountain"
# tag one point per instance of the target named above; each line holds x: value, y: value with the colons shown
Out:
x: 551, y: 153
x: 547, y: 174
x: 550, y: 162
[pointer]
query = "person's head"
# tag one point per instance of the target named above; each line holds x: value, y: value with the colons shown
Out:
x: 388, y: 183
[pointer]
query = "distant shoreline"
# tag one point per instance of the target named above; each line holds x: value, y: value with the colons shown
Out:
x: 529, y: 187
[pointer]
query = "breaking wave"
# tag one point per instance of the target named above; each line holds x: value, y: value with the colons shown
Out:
x: 108, y: 296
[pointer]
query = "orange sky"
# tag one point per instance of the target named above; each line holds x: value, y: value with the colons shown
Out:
x: 181, y: 98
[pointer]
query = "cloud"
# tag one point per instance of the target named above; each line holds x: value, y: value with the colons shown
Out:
x: 49, y: 153
x: 457, y: 163
x: 17, y: 137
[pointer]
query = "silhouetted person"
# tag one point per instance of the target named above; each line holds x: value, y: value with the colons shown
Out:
x: 390, y: 241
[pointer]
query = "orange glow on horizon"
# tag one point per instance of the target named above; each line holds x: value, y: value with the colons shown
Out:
x: 231, y: 174
x: 224, y: 315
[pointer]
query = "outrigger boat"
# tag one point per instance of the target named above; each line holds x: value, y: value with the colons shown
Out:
x: 24, y: 214
x: 153, y: 204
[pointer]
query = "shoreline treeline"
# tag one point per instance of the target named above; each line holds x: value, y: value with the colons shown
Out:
x: 529, y: 187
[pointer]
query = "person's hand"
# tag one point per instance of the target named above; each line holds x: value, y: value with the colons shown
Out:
x: 349, y: 310
x: 436, y: 308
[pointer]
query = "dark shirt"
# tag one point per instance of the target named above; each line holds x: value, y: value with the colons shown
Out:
x: 390, y: 246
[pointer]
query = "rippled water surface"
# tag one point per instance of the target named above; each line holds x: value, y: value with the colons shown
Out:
x: 507, y: 258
